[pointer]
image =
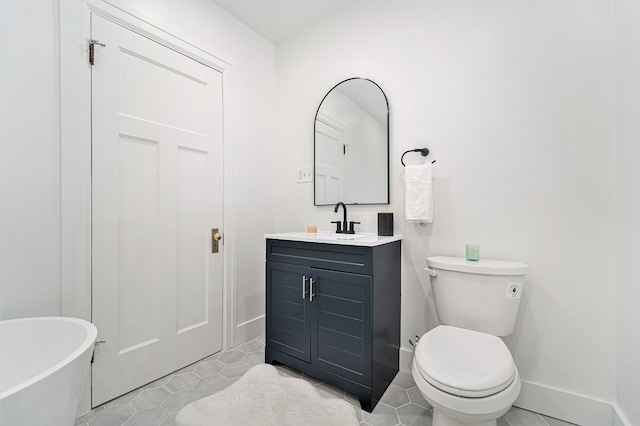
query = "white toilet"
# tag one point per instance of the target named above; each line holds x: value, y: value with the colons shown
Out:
x: 462, y: 368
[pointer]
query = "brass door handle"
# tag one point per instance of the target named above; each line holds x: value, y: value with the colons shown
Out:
x: 215, y: 237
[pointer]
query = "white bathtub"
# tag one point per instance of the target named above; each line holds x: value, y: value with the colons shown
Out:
x: 44, y: 362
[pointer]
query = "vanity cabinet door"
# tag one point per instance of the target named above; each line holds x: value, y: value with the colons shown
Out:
x: 341, y: 324
x: 288, y: 316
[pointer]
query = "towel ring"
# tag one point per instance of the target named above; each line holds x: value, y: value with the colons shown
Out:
x: 423, y: 151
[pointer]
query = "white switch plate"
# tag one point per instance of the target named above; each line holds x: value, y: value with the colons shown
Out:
x: 305, y: 174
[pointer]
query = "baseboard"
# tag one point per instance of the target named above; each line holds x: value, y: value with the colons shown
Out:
x: 557, y: 403
x: 406, y: 358
x: 249, y: 329
x: 619, y: 419
x: 564, y: 405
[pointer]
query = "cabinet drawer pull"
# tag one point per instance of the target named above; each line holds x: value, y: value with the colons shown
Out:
x: 304, y: 286
x: 311, y: 290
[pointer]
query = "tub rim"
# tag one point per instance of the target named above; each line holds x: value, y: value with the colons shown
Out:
x: 92, y: 333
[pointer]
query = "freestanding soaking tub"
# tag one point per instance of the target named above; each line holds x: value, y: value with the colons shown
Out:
x: 44, y: 362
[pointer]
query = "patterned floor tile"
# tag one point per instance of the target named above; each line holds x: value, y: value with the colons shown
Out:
x: 157, y: 403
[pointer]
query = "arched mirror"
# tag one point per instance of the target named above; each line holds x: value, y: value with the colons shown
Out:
x: 351, y: 145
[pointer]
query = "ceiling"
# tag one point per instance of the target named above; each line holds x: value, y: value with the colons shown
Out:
x: 277, y: 20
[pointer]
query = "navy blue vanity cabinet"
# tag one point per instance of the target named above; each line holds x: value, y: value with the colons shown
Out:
x: 333, y: 312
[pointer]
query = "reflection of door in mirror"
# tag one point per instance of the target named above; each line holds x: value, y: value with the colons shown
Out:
x: 352, y: 145
x: 330, y: 160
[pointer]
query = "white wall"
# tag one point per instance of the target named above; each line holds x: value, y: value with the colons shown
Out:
x: 29, y: 160
x: 30, y: 191
x: 515, y: 100
x: 627, y: 61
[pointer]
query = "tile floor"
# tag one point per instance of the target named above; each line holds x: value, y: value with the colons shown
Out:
x: 157, y: 403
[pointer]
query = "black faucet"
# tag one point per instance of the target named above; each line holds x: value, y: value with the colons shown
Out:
x: 342, y: 229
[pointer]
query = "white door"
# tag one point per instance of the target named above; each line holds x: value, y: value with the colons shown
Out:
x: 330, y: 163
x: 156, y: 194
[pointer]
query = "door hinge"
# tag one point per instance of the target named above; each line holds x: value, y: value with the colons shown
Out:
x: 93, y: 353
x: 92, y: 44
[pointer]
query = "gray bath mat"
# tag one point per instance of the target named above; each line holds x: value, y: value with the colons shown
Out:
x: 263, y: 397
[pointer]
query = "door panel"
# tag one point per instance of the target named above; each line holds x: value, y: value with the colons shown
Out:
x: 330, y: 164
x: 156, y: 194
x: 136, y: 263
x: 193, y: 291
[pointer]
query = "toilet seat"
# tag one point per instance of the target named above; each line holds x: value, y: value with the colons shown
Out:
x: 464, y: 362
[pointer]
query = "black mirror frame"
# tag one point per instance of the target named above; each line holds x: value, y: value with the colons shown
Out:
x: 315, y: 120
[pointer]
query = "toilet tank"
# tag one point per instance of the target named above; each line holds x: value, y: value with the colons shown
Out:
x: 481, y: 295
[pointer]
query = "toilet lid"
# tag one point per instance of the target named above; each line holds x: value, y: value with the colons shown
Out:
x: 464, y: 362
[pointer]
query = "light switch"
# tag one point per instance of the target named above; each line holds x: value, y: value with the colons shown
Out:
x: 304, y: 174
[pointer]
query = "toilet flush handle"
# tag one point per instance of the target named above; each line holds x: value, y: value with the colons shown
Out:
x: 431, y: 272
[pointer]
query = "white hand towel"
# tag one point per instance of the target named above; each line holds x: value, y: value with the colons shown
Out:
x: 418, y: 202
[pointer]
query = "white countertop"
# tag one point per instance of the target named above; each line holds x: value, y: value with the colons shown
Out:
x: 359, y: 239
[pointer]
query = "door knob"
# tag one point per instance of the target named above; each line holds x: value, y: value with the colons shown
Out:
x: 215, y: 237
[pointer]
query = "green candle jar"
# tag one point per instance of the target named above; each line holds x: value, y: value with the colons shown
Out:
x: 472, y: 252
